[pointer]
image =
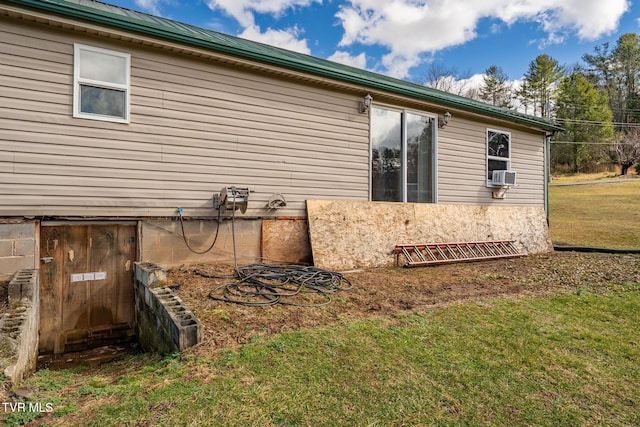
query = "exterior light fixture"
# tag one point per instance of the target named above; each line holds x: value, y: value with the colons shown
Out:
x: 444, y: 120
x: 366, y: 103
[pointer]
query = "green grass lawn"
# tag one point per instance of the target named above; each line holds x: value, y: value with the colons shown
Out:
x: 569, y: 360
x: 603, y: 215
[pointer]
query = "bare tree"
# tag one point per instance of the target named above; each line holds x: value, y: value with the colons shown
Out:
x: 438, y: 76
x: 627, y: 150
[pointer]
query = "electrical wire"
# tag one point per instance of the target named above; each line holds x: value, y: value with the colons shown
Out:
x: 596, y: 123
x: 593, y: 143
x: 186, y: 241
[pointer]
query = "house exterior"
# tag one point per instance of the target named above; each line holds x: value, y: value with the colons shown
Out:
x: 115, y: 123
x: 129, y: 138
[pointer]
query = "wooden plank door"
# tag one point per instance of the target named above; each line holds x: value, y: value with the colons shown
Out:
x: 86, y: 289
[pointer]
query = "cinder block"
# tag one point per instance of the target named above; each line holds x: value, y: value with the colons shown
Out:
x: 6, y: 248
x: 24, y: 247
x: 164, y: 323
x: 25, y: 230
x: 192, y: 334
x: 149, y: 274
x: 22, y: 286
x: 168, y: 241
x: 10, y: 265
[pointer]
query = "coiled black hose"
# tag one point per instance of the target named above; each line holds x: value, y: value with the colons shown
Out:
x: 260, y: 285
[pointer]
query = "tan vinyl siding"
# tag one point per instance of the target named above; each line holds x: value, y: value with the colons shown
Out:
x: 462, y: 165
x: 196, y: 126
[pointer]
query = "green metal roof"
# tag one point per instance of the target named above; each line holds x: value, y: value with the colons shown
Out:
x: 130, y: 20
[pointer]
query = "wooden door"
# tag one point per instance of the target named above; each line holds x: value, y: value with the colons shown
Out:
x: 86, y: 285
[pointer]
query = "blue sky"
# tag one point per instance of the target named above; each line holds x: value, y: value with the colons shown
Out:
x: 402, y: 38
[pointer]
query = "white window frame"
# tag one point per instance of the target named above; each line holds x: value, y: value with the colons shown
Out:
x: 78, y: 81
x: 403, y: 160
x: 490, y: 157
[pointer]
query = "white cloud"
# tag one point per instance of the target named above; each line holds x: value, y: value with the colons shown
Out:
x: 286, y: 39
x: 496, y: 29
x: 243, y: 10
x: 474, y: 82
x: 413, y: 30
x: 151, y: 6
x: 410, y: 29
x: 399, y: 65
x: 359, y: 61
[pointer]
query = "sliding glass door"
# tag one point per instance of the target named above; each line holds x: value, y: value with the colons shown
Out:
x: 402, y: 156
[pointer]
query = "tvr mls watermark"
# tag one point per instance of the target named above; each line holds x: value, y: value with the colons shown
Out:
x: 27, y: 407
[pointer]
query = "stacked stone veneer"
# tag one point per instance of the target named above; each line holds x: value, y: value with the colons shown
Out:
x: 19, y: 326
x: 163, y: 323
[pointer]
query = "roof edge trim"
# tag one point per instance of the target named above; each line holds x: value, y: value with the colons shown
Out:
x: 246, y: 49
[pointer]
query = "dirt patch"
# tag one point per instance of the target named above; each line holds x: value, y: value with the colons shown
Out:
x: 389, y: 291
x: 89, y: 358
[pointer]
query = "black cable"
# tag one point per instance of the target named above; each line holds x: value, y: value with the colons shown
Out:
x: 595, y: 250
x: 211, y: 276
x: 260, y: 285
x: 186, y: 241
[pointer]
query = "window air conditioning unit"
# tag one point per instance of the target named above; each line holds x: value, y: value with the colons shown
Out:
x: 503, y: 178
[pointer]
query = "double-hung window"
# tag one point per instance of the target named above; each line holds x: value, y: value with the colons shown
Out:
x: 101, y: 84
x: 498, y: 152
x: 402, y: 156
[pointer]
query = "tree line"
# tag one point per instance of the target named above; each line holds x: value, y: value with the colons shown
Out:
x: 597, y: 103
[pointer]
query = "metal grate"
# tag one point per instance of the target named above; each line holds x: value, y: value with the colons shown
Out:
x: 442, y: 253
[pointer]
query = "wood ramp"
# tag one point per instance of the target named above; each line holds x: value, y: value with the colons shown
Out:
x: 443, y: 253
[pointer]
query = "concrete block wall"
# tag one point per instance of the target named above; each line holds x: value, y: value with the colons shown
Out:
x: 19, y: 326
x: 164, y: 324
x: 163, y: 243
x: 18, y: 247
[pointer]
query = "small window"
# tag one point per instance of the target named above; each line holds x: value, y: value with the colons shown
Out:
x: 101, y: 84
x: 498, y: 152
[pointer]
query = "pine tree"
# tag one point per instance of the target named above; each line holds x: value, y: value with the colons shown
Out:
x: 496, y: 89
x: 584, y: 113
x: 542, y: 77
